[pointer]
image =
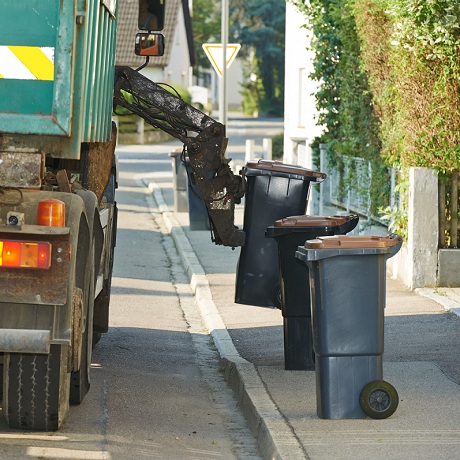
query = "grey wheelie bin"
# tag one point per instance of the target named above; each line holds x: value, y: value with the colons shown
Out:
x: 179, y: 181
x: 347, y: 281
x: 197, y: 210
x: 187, y: 195
x: 294, y: 291
x: 274, y: 190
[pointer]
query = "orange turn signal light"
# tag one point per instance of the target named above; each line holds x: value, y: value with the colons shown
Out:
x: 51, y: 213
x: 25, y: 254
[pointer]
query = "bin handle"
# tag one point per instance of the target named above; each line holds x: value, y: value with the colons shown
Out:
x: 319, y: 176
x: 396, y: 237
x: 352, y: 218
x: 243, y: 181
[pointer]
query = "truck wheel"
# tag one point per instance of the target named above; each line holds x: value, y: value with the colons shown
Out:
x: 80, y: 381
x: 1, y: 374
x: 36, y: 389
x: 379, y: 399
x: 102, y: 301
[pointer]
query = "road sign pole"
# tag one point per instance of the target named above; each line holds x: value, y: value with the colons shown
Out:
x: 223, y: 91
x: 221, y: 56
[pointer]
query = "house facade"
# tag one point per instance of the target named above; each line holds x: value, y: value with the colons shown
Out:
x: 175, y: 66
x: 300, y: 114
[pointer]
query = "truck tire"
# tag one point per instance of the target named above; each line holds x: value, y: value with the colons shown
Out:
x: 36, y: 389
x: 1, y: 377
x: 102, y: 301
x: 80, y: 380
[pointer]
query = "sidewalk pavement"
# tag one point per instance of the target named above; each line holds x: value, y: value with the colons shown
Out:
x: 421, y: 360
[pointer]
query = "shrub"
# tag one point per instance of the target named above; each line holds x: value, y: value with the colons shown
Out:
x: 277, y: 146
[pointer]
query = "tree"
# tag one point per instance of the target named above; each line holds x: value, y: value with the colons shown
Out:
x: 206, y: 22
x: 259, y: 26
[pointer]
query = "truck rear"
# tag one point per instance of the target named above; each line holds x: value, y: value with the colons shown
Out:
x: 57, y: 201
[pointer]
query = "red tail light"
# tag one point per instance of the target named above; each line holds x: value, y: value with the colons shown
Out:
x: 25, y: 254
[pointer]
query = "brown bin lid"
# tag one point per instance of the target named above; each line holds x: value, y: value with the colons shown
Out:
x: 350, y: 242
x: 312, y: 221
x: 278, y: 166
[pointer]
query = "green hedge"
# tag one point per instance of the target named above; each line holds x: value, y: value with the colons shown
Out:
x: 411, y: 51
x: 389, y: 78
x: 389, y: 73
x: 344, y: 100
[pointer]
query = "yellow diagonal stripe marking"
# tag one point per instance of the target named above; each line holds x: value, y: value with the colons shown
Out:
x: 35, y: 60
x: 1, y: 76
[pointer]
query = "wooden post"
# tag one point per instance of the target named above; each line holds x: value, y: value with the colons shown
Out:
x: 442, y: 215
x: 140, y: 130
x: 249, y: 150
x: 267, y: 148
x: 454, y: 210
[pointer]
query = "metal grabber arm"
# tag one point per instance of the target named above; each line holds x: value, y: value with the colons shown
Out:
x: 205, y: 144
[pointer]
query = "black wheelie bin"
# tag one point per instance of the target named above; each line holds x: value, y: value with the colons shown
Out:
x: 274, y: 190
x: 294, y: 291
x: 347, y: 282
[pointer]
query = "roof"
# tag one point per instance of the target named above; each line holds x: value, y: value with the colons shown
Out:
x: 127, y: 30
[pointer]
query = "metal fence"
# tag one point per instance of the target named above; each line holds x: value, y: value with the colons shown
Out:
x: 449, y: 211
x: 350, y: 188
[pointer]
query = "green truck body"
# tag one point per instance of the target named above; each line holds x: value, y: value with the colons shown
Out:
x: 56, y: 72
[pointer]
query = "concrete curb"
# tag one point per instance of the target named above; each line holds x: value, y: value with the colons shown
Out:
x: 443, y: 300
x: 275, y: 438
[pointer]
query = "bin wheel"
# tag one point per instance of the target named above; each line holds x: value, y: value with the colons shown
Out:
x: 379, y: 399
x: 276, y: 296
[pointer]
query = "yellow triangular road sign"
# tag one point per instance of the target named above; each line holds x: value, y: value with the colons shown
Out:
x: 214, y: 53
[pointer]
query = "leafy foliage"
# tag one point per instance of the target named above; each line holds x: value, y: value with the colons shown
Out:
x: 259, y: 26
x: 389, y: 72
x: 344, y: 99
x: 416, y: 82
x: 278, y: 146
x: 206, y: 27
x: 397, y: 215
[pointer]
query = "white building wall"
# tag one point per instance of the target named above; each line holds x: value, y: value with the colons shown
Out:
x: 300, y: 113
x: 178, y: 71
x: 153, y: 73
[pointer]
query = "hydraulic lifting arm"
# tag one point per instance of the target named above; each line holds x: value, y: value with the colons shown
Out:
x: 204, y: 141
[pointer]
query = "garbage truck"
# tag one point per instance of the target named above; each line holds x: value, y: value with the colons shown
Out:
x: 58, y: 176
